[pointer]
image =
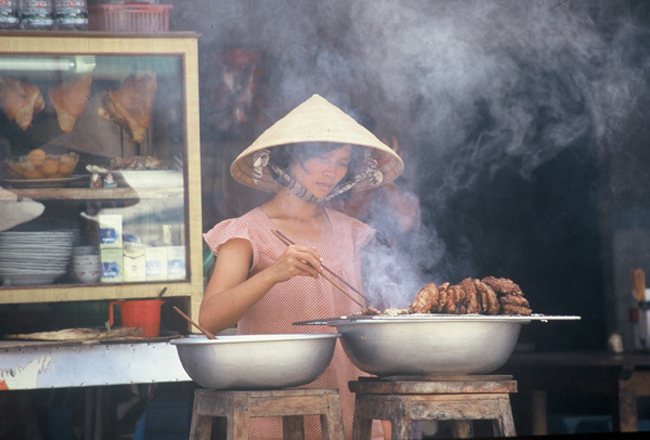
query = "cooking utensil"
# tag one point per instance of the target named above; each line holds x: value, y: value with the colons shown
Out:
x: 256, y: 361
x: 287, y: 241
x: 162, y: 292
x: 431, y: 344
x: 191, y: 321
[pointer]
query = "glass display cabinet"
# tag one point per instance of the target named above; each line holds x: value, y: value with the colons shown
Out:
x: 100, y: 167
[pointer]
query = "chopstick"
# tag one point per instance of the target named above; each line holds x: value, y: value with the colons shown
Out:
x: 287, y: 241
x: 191, y: 321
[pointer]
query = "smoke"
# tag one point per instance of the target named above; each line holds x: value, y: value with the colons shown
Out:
x: 468, y: 87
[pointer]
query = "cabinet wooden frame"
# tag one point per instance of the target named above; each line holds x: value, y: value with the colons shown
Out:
x: 181, y: 44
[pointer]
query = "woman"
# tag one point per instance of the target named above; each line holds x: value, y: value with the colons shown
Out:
x: 313, y: 154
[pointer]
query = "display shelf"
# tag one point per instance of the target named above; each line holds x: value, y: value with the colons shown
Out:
x: 95, y: 194
x: 172, y: 57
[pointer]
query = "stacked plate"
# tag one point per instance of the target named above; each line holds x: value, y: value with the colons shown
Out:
x: 34, y: 258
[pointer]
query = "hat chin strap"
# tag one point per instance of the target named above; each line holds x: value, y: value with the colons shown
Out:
x: 296, y: 188
x: 261, y: 160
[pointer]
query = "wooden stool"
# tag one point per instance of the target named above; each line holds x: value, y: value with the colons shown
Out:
x: 292, y: 405
x: 403, y: 399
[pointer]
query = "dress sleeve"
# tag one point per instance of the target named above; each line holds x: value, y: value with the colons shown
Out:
x: 361, y: 233
x: 227, y: 230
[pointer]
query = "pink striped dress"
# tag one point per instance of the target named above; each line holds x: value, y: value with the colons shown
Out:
x: 300, y: 299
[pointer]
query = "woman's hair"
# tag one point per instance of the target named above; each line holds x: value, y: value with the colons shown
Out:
x: 283, y: 156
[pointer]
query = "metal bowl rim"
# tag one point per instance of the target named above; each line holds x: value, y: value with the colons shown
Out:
x: 239, y: 339
x: 439, y: 317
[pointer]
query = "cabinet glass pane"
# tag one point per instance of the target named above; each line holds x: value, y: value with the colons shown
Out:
x: 100, y: 142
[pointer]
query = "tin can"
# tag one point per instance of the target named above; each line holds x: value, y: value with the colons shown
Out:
x: 36, y: 14
x: 9, y: 17
x: 71, y: 14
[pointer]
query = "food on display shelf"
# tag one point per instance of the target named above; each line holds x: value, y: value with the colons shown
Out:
x: 131, y: 105
x: 70, y: 98
x: 20, y: 101
x: 40, y: 165
x: 137, y: 163
x: 488, y: 296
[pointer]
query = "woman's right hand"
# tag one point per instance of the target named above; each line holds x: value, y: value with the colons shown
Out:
x: 296, y: 261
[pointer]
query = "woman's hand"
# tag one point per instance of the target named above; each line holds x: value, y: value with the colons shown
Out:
x: 296, y: 261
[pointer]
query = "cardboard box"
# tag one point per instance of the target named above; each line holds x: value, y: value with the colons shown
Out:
x: 110, y: 231
x: 176, y: 263
x: 134, y: 264
x: 112, y: 265
x: 156, y: 263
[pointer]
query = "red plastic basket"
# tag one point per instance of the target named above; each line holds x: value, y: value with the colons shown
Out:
x: 129, y: 17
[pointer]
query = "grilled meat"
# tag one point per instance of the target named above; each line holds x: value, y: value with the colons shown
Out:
x: 489, y: 296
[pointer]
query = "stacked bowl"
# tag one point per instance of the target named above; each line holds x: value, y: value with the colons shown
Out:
x: 34, y: 258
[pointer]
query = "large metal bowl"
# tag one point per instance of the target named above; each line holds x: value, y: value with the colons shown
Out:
x: 431, y: 344
x: 245, y: 362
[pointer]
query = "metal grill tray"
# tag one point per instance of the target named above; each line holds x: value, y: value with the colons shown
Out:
x: 438, y: 317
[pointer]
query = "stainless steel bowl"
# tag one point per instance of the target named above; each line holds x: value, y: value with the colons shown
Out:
x: 431, y: 344
x: 255, y: 361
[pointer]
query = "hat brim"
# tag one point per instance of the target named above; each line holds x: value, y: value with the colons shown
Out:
x: 316, y: 120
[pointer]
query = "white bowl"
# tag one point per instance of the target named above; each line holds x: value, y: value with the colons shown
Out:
x: 86, y: 260
x: 90, y: 276
x: 255, y: 361
x: 84, y: 250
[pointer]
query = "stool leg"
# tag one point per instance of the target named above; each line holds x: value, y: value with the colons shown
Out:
x: 462, y: 428
x: 401, y: 428
x: 361, y: 425
x: 238, y: 423
x: 332, y: 421
x: 293, y: 427
x: 504, y: 425
x: 201, y: 427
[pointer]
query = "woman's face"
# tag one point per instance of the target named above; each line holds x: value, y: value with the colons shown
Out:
x: 321, y: 173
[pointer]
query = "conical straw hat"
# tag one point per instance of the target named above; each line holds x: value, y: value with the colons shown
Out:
x: 316, y: 120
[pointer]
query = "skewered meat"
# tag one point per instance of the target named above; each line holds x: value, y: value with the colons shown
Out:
x: 20, y: 101
x: 503, y: 285
x: 426, y: 299
x: 489, y: 296
x: 70, y: 98
x: 509, y: 309
x: 395, y: 312
x: 489, y: 303
x: 371, y: 311
x: 514, y: 300
x: 471, y: 296
x: 442, y: 298
x: 131, y: 105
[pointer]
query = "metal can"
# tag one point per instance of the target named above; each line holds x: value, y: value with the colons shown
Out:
x: 9, y: 17
x: 36, y: 14
x: 71, y: 14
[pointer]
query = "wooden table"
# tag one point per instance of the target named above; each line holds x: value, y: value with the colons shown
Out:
x: 623, y: 377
